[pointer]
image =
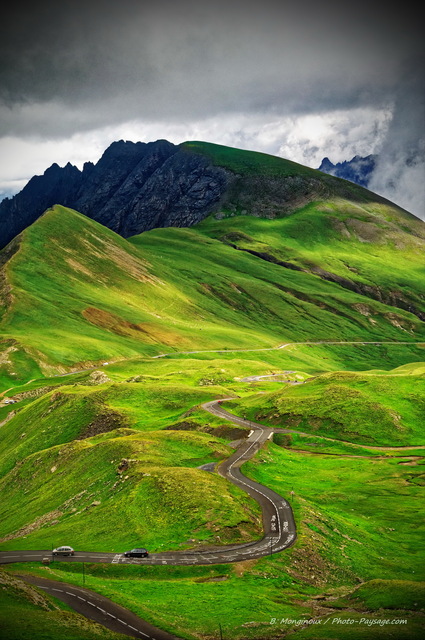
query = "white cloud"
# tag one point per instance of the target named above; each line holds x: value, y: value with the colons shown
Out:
x: 305, y: 139
x: 340, y: 135
x: 401, y: 180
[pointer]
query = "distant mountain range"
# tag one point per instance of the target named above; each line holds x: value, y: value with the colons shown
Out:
x: 358, y: 169
x: 139, y: 186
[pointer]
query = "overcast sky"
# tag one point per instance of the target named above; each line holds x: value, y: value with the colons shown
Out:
x: 302, y: 80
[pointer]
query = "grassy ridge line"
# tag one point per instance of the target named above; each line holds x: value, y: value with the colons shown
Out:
x: 109, y: 298
x: 250, y: 162
x: 336, y: 235
x: 317, y: 437
x: 245, y: 163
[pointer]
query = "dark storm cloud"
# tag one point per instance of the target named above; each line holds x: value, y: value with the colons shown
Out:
x: 70, y: 68
x: 400, y: 170
x: 87, y: 64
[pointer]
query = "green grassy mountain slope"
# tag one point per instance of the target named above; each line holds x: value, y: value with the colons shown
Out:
x: 109, y: 492
x: 109, y: 464
x: 270, y: 186
x: 365, y: 408
x: 27, y: 612
x: 341, y: 242
x: 76, y: 293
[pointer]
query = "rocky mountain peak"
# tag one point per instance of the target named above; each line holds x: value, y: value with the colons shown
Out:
x: 137, y: 186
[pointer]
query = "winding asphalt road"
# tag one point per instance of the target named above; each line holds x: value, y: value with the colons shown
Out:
x: 100, y: 609
x: 278, y: 520
x: 287, y: 344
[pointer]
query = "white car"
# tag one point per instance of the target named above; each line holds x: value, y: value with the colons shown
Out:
x: 63, y: 551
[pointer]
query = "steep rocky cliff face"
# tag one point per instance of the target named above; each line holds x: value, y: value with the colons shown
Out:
x: 139, y: 186
x: 167, y: 187
x: 56, y: 185
x: 133, y: 187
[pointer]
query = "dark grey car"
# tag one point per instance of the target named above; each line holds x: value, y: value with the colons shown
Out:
x: 136, y: 553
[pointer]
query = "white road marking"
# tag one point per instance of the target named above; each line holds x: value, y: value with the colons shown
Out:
x: 244, y: 454
x: 253, y: 488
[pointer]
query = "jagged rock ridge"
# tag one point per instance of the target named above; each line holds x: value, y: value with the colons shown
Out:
x: 133, y: 187
x: 358, y: 169
x: 138, y: 186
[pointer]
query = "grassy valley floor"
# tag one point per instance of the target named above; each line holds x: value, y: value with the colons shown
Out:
x: 139, y: 425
